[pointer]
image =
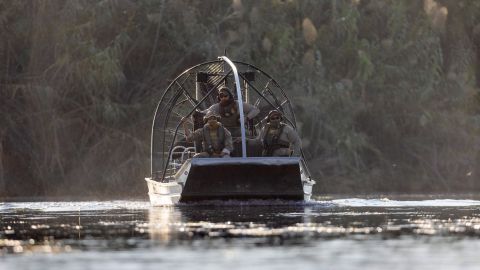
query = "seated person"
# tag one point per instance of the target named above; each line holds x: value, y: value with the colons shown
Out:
x: 278, y: 138
x: 215, y: 139
x: 229, y: 112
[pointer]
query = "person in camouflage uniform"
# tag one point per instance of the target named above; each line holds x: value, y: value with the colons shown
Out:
x: 227, y: 109
x: 278, y: 138
x: 215, y: 139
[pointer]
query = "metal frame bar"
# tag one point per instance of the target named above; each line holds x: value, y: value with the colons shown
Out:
x: 240, y: 103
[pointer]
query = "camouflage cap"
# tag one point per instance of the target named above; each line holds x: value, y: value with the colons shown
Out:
x: 209, y: 115
x: 274, y: 112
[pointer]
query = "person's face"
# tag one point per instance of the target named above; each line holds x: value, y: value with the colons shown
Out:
x: 212, y: 121
x: 223, y: 96
x: 275, y: 119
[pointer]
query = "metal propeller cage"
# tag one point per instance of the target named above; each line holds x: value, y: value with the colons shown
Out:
x: 196, y: 89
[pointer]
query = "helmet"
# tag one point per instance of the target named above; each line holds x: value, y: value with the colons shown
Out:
x: 209, y: 115
x: 274, y: 112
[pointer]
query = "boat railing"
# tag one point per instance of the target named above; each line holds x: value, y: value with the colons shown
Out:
x: 188, y: 151
x: 178, y: 156
x: 176, y: 163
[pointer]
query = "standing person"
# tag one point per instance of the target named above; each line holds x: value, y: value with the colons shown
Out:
x: 278, y: 138
x: 215, y: 139
x: 229, y: 112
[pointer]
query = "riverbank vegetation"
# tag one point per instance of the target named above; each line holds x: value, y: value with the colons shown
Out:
x: 386, y: 92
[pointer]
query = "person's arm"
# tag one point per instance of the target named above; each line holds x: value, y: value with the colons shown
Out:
x: 228, y: 143
x: 213, y: 108
x: 261, y: 134
x: 206, y: 110
x: 189, y: 136
x: 250, y: 111
x: 295, y: 141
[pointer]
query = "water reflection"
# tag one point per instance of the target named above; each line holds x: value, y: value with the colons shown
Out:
x: 161, y: 223
x: 298, y: 222
x: 262, y: 236
x: 183, y: 222
x: 58, y: 227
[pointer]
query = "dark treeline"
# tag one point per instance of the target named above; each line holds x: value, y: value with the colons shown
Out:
x: 386, y: 92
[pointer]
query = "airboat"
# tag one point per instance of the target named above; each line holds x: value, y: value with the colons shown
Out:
x: 177, y: 176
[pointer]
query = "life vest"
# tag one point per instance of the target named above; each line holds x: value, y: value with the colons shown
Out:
x: 213, y: 145
x: 271, y: 140
x: 230, y: 117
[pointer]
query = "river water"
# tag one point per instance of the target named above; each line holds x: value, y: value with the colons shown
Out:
x: 349, y: 233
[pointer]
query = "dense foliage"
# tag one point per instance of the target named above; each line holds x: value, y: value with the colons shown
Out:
x: 386, y: 91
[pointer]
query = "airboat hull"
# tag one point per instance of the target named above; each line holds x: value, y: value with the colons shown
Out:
x: 163, y: 193
x: 264, y: 178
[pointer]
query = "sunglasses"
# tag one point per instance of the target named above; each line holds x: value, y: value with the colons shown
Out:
x: 275, y: 118
x: 223, y: 95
